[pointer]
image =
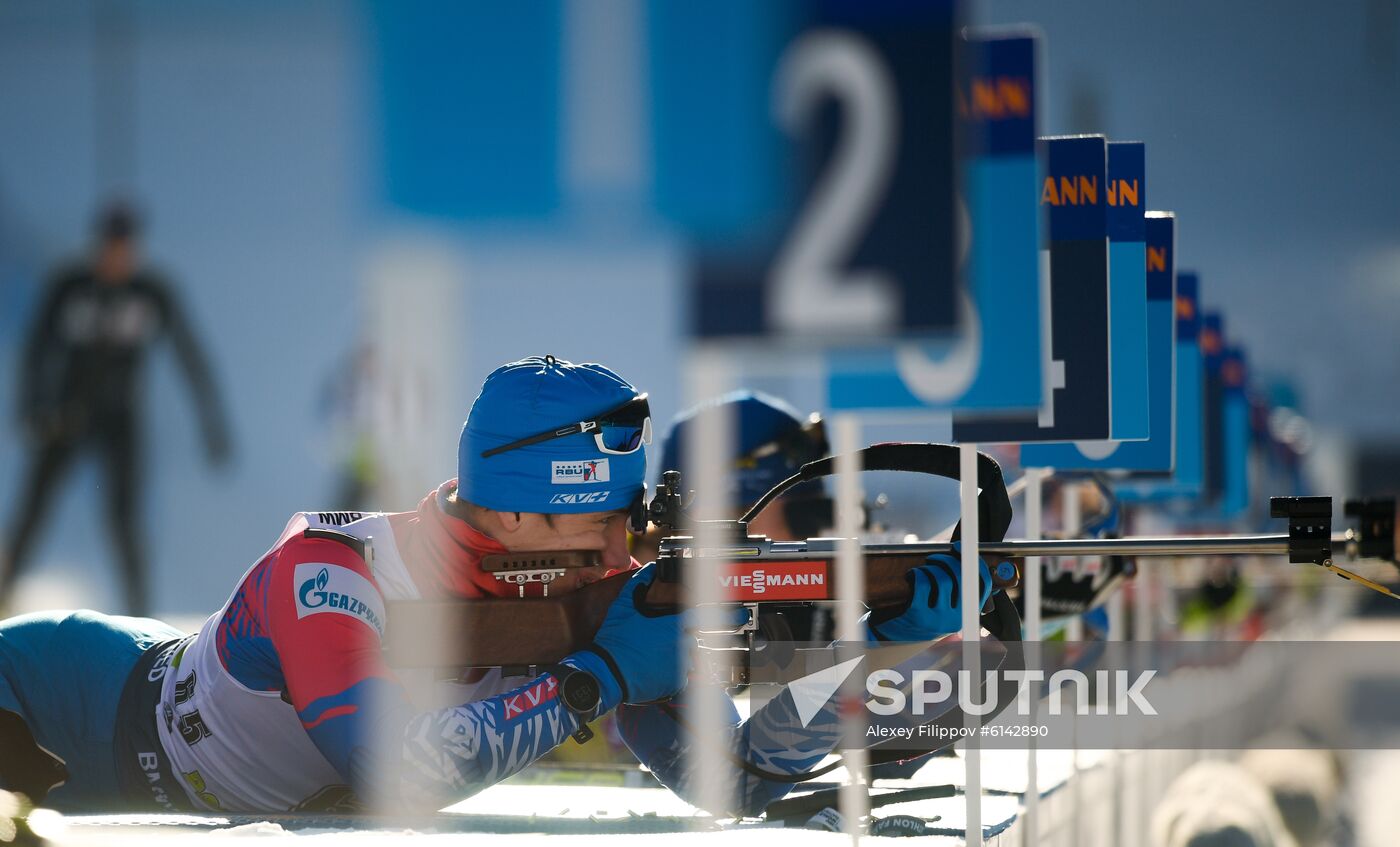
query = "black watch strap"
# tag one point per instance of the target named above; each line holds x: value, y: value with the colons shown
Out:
x: 581, y: 694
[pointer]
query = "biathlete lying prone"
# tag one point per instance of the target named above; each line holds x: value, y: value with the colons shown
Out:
x: 282, y: 701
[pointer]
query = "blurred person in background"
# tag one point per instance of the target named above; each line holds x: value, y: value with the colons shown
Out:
x: 1306, y: 786
x: 1218, y: 804
x: 81, y: 387
x: 348, y: 405
x: 772, y: 440
x: 371, y: 405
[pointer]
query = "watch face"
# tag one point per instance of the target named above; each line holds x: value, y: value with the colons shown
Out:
x: 581, y: 692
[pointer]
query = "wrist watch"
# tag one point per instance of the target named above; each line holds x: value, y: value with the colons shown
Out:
x: 581, y: 694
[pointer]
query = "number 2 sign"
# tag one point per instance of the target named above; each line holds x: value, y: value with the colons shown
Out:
x: 860, y: 242
x: 995, y: 359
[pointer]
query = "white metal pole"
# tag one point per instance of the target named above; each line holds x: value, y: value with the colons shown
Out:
x: 1071, y: 511
x: 1030, y: 582
x: 1072, y: 515
x: 850, y: 606
x: 1035, y: 530
x: 707, y: 460
x: 1144, y: 589
x: 404, y: 395
x: 1123, y: 798
x: 971, y: 634
x: 1117, y: 624
x: 1144, y: 599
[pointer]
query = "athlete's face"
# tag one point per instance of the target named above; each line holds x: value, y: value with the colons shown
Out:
x: 602, y: 531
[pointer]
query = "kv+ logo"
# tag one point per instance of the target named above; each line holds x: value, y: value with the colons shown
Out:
x: 580, y: 497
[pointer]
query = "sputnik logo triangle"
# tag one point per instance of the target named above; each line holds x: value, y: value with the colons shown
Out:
x: 813, y: 691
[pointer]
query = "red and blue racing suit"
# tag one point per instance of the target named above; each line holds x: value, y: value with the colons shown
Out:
x: 283, y: 700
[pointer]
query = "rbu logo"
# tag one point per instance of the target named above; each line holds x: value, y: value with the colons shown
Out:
x: 578, y: 473
x: 580, y: 497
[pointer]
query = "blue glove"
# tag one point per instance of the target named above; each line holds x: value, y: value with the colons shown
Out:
x: 935, y: 607
x: 637, y: 655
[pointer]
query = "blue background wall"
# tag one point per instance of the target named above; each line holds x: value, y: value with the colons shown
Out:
x: 260, y: 149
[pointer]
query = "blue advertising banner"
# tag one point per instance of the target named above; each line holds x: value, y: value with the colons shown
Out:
x: 1234, y: 375
x: 1188, y: 475
x: 1213, y: 358
x: 1127, y: 290
x: 839, y: 226
x: 994, y: 362
x: 1156, y: 453
x: 1077, y: 407
x: 455, y: 141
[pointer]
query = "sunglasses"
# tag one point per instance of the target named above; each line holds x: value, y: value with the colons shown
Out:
x: 617, y: 431
x: 799, y: 446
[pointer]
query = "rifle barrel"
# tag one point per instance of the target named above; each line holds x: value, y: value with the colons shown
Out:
x: 1344, y: 545
x: 1220, y: 545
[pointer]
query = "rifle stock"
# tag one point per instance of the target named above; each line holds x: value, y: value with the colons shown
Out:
x: 490, y: 632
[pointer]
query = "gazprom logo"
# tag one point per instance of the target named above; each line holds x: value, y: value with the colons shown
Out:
x: 325, y: 588
x: 313, y: 591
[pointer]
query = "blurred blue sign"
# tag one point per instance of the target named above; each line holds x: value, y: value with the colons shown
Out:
x: 1213, y: 358
x: 1127, y: 290
x: 470, y: 101
x: 994, y: 362
x: 857, y: 241
x: 1155, y: 453
x: 1236, y: 423
x: 1188, y: 474
x: 1077, y: 403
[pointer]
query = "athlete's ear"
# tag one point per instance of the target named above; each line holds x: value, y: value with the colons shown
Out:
x: 510, y: 521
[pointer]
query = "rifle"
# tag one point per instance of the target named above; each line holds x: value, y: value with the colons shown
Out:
x: 755, y: 571
x: 523, y: 635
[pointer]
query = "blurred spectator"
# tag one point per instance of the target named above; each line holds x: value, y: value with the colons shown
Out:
x: 1306, y: 787
x: 374, y: 407
x: 771, y: 442
x: 347, y: 404
x: 80, y: 389
x: 1218, y: 804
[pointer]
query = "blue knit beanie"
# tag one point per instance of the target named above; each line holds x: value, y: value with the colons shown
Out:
x: 558, y: 476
